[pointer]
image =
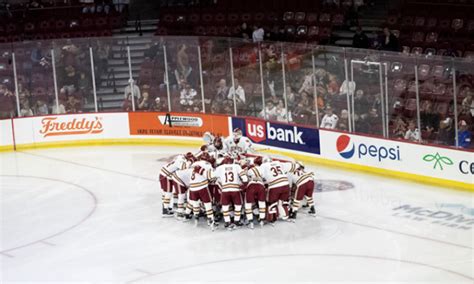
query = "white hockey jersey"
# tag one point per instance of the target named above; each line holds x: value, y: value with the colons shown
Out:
x: 300, y: 177
x: 179, y: 163
x: 200, y: 180
x: 230, y: 177
x: 242, y: 147
x: 183, y: 177
x: 274, y: 174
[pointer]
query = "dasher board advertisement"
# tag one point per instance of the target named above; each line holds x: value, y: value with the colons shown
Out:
x: 177, y: 124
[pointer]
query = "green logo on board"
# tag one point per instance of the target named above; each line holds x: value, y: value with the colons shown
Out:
x: 439, y: 160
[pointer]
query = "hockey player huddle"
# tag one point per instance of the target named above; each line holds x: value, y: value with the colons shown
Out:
x: 225, y: 176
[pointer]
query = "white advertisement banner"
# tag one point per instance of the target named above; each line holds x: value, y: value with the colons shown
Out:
x: 399, y: 156
x: 6, y: 134
x: 71, y: 127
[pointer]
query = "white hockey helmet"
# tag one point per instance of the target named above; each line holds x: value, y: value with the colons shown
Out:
x: 208, y: 138
x: 237, y: 133
x: 266, y: 159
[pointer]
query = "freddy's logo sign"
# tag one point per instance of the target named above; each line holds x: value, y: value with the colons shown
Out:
x: 52, y: 127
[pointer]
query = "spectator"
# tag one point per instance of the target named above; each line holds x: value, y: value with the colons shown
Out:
x: 307, y: 85
x: 429, y: 118
x: 399, y: 127
x: 269, y: 112
x: 37, y: 54
x: 136, y: 89
x: 187, y: 96
x: 84, y: 86
x: 464, y: 135
x: 73, y: 105
x: 343, y: 123
x: 70, y: 80
x: 120, y: 5
x: 361, y: 103
x: 41, y: 108
x: 412, y: 134
x: 446, y: 132
x: 222, y: 91
x: 389, y: 41
x: 333, y: 86
x: 245, y: 32
x: 301, y: 113
x: 238, y: 92
x: 258, y: 34
x: 183, y: 68
x: 360, y: 39
x: 145, y: 103
x: 127, y: 104
x: 330, y: 119
x: 155, y: 51
x: 290, y: 97
x: 25, y: 109
x: 369, y: 123
x: 468, y: 103
x: 102, y: 6
x: 58, y: 110
x: 159, y: 105
x: 88, y: 6
x: 280, y: 112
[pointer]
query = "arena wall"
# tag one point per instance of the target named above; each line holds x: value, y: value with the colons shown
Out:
x: 451, y: 168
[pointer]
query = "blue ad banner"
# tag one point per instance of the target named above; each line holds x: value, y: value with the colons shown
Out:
x: 279, y: 135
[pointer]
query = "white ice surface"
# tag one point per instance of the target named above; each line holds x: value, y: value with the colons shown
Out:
x: 94, y: 214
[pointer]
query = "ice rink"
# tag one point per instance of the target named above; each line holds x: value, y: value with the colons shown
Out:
x: 94, y: 214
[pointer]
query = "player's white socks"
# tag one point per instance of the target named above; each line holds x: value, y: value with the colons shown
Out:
x: 181, y: 198
x: 225, y: 212
x: 209, y: 212
x: 189, y: 208
x: 167, y: 199
x: 296, y: 205
x: 310, y: 201
x: 248, y: 211
x: 237, y: 212
x: 261, y: 209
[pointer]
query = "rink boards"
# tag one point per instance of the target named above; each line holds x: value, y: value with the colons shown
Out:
x: 451, y: 168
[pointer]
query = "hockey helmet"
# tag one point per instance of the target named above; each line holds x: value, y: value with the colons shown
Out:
x: 190, y: 157
x: 205, y: 157
x: 227, y: 160
x: 208, y: 138
x: 258, y: 161
x: 237, y: 134
x: 266, y: 159
x: 218, y: 143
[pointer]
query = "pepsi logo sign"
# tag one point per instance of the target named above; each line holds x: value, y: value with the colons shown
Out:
x: 345, y: 147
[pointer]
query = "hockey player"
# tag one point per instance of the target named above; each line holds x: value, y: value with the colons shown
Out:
x: 230, y: 177
x: 236, y: 144
x: 275, y: 174
x: 179, y: 163
x: 199, y: 188
x: 181, y: 183
x: 304, y: 184
x: 255, y: 193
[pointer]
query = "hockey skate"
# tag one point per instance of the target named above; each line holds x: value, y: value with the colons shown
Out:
x: 251, y: 225
x: 229, y: 226
x: 167, y: 212
x: 238, y: 224
x: 293, y: 214
x: 180, y: 216
x: 312, y: 211
x: 212, y: 224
